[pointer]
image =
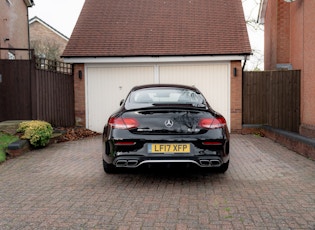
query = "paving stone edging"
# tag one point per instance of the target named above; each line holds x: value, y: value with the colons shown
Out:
x: 293, y: 141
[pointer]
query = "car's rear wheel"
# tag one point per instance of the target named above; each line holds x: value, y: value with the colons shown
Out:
x: 109, y: 168
x: 224, y: 167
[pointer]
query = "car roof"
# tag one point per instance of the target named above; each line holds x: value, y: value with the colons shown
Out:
x: 164, y: 86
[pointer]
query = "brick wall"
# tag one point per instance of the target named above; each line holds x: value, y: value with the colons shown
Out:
x: 307, y: 9
x: 283, y: 33
x: 79, y: 95
x: 236, y: 97
x: 291, y: 25
x: 14, y: 26
x: 270, y: 55
x: 45, y: 37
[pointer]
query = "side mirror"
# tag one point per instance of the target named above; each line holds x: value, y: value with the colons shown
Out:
x: 121, y: 102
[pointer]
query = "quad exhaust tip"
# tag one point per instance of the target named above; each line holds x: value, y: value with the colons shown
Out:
x: 135, y: 163
x: 127, y: 163
x: 210, y: 163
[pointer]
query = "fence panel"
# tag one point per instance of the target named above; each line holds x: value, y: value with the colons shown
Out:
x: 15, y: 89
x: 272, y: 98
x: 30, y: 91
x: 55, y: 98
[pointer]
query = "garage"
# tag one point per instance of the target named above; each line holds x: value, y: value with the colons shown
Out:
x: 107, y: 84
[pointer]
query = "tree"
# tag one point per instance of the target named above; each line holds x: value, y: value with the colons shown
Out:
x: 256, y: 34
x: 46, y: 49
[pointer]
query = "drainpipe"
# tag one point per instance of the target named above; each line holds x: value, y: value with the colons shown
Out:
x: 30, y: 60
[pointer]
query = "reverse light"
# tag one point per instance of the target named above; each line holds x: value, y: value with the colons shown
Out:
x: 123, y: 123
x: 212, y: 123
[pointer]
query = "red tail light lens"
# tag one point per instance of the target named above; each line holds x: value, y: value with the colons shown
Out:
x: 123, y: 123
x: 211, y: 143
x: 212, y: 123
x: 124, y: 143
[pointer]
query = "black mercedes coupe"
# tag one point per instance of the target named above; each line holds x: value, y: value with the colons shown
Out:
x: 165, y: 124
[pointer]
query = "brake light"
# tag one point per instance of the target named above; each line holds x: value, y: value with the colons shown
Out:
x: 123, y: 123
x: 123, y: 143
x: 212, y: 123
x: 211, y: 143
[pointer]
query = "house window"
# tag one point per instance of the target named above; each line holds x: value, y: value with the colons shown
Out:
x: 11, y: 55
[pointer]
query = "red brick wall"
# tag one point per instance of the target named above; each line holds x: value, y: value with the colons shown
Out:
x: 79, y: 95
x: 236, y: 97
x: 291, y: 25
x: 277, y: 34
x: 45, y: 36
x: 283, y: 32
x: 307, y: 9
x: 14, y: 26
x: 270, y: 56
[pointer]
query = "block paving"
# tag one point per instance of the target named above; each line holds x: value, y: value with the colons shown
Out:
x: 63, y: 186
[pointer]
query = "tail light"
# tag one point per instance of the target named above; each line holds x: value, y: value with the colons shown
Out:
x: 123, y: 123
x: 212, y: 123
x: 211, y: 143
x: 125, y: 143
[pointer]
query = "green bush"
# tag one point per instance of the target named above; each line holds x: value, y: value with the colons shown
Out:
x: 37, y: 132
x: 2, y: 155
x: 5, y: 140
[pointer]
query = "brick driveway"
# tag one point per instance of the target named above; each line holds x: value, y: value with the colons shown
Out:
x: 64, y: 187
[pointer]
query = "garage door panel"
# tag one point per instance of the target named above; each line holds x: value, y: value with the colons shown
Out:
x: 211, y: 79
x: 106, y: 86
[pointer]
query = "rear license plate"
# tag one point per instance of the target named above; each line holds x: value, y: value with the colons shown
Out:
x: 169, y: 148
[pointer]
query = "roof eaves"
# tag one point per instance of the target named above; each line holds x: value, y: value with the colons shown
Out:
x: 157, y: 56
x: 37, y: 19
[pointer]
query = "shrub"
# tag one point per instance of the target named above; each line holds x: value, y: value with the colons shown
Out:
x: 37, y: 132
x: 2, y: 155
x: 5, y: 140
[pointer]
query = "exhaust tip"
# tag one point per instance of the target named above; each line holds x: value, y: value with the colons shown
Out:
x: 127, y: 163
x: 210, y: 163
x: 215, y: 163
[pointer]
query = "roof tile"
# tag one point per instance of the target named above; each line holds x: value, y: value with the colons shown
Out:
x: 108, y: 28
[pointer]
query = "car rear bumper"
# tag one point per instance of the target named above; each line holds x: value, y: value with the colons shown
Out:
x: 200, y: 161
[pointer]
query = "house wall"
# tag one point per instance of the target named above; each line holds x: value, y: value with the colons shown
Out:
x: 14, y: 26
x: 277, y: 34
x: 236, y: 97
x: 306, y: 8
x: 270, y: 55
x: 45, y: 38
x: 289, y: 38
x: 79, y: 95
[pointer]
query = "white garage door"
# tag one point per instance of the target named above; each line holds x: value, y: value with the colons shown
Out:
x: 107, y: 85
x: 211, y: 79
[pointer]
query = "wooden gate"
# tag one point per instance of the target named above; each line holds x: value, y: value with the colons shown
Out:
x: 272, y: 98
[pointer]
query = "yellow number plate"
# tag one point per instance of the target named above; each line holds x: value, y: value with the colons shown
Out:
x: 169, y: 148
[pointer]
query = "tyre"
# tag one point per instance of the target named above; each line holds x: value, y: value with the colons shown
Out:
x: 109, y: 168
x: 224, y: 167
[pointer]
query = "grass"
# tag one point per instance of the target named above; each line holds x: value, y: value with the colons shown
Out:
x: 5, y: 140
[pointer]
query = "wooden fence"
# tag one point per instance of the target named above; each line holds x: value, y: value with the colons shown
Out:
x: 29, y: 91
x: 272, y: 98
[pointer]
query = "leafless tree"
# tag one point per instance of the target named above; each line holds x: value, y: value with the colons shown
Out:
x: 46, y: 49
x: 256, y: 34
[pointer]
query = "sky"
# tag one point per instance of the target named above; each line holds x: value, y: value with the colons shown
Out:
x: 62, y: 15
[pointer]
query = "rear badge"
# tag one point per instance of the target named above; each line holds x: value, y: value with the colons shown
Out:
x: 169, y: 123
